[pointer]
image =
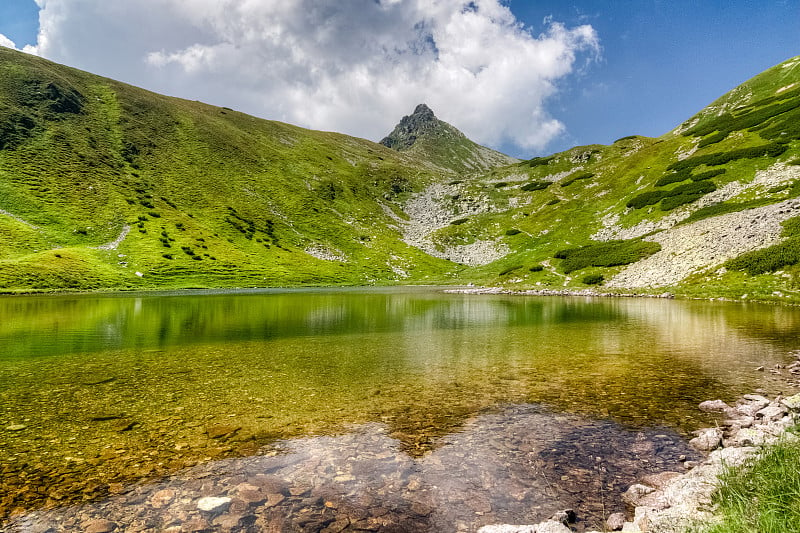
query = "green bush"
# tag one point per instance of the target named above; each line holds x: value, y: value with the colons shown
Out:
x: 593, y: 279
x: 647, y: 198
x: 606, y: 254
x: 575, y: 177
x: 708, y: 174
x: 536, y: 268
x: 500, y: 184
x: 629, y: 137
x: 554, y: 201
x: 721, y: 158
x: 713, y: 139
x: 768, y: 259
x: 510, y: 270
x: 672, y: 198
x: 791, y: 227
x: 513, y: 231
x: 538, y: 161
x: 459, y: 221
x: 723, y: 208
x: 794, y: 162
x: 537, y: 185
x: 675, y: 177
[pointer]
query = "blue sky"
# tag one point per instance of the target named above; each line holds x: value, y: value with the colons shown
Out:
x: 630, y: 67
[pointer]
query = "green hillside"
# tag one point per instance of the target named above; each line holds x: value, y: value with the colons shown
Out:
x: 204, y: 196
x: 107, y: 186
x: 600, y: 215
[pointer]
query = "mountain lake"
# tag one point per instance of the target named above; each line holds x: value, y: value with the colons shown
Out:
x: 397, y: 409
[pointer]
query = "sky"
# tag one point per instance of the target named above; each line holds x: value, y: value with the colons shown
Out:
x: 526, y: 77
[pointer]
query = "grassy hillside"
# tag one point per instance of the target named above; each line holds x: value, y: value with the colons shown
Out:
x: 576, y: 218
x: 205, y: 196
x: 103, y: 185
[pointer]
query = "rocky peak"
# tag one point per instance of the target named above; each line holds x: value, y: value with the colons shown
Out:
x: 422, y: 121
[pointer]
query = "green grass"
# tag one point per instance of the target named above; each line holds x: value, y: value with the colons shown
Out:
x: 763, y: 495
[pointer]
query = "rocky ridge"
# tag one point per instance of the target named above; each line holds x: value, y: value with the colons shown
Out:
x: 423, y: 135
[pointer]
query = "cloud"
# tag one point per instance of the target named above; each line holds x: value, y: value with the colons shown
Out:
x: 354, y: 66
x: 8, y: 43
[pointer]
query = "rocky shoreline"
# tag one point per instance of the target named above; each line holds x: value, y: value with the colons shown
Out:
x: 673, y: 502
x: 555, y: 292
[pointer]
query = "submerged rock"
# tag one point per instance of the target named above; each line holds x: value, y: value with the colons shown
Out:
x: 213, y: 503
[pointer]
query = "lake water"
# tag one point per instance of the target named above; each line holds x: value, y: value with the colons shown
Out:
x: 395, y: 406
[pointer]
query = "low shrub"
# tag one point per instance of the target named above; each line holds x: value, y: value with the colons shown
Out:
x: 500, y: 184
x: 554, y: 201
x: 538, y: 161
x: 537, y: 185
x: 606, y: 254
x: 593, y: 279
x: 768, y: 259
x: 513, y: 231
x: 723, y: 208
x: 720, y: 158
x: 459, y: 221
x: 536, y: 268
x: 791, y: 227
x: 510, y: 270
x: 675, y: 177
x: 576, y: 177
x: 682, y: 194
x: 647, y: 198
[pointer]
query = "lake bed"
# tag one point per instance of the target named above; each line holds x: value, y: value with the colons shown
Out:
x: 103, y: 396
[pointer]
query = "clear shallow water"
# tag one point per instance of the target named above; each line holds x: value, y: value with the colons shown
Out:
x: 118, y: 388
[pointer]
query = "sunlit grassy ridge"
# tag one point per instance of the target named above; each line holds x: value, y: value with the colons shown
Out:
x: 210, y: 197
x: 566, y: 200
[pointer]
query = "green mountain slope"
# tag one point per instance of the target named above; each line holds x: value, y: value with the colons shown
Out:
x: 107, y: 186
x: 429, y: 139
x: 649, y: 215
x: 201, y: 195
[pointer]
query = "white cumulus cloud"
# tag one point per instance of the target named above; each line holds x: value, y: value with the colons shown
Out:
x: 8, y: 43
x: 354, y: 66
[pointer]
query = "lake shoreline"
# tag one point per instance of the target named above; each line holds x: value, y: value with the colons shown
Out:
x: 682, y: 501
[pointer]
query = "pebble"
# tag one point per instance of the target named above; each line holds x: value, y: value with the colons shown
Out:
x: 98, y: 525
x: 213, y: 503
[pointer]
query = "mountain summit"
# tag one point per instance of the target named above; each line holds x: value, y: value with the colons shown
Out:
x: 436, y: 141
x: 421, y: 122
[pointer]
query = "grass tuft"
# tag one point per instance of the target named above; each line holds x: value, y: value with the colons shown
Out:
x: 763, y: 495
